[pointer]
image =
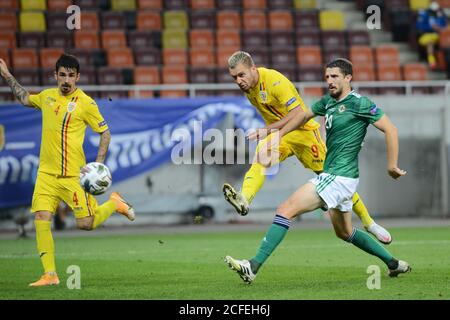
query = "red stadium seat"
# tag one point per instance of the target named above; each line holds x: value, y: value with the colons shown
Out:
x: 7, y: 40
x: 9, y: 5
x: 148, y: 20
x: 174, y: 75
x: 202, y: 57
x: 254, y: 4
x: 228, y: 20
x: 150, y: 4
x: 24, y: 58
x: 222, y: 55
x: 145, y: 75
x: 387, y: 56
x: 202, y: 4
x: 309, y: 56
x: 361, y: 56
x: 4, y: 54
x: 228, y: 38
x: 201, y: 38
x: 89, y: 20
x: 175, y: 57
x: 254, y: 20
x: 114, y: 39
x: 120, y: 57
x: 49, y: 56
x: 58, y: 5
x: 86, y: 39
x: 8, y: 21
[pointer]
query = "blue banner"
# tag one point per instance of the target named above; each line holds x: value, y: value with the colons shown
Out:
x: 142, y: 137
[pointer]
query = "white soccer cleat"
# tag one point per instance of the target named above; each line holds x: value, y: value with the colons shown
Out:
x: 242, y: 267
x: 380, y: 233
x: 236, y: 199
x: 403, y: 267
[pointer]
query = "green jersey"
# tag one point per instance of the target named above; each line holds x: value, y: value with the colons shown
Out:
x: 346, y: 123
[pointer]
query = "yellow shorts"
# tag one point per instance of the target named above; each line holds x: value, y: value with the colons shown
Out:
x: 50, y: 189
x: 427, y: 38
x: 307, y: 146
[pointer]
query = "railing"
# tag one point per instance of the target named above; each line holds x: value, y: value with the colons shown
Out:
x: 301, y: 86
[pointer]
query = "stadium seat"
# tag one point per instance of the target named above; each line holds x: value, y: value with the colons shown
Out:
x: 306, y: 19
x: 109, y: 75
x: 202, y: 19
x: 228, y: 38
x: 175, y: 4
x: 228, y: 20
x: 223, y: 75
x: 414, y: 72
x: 58, y: 20
x: 58, y: 5
x: 444, y: 39
x: 145, y: 75
x: 175, y: 20
x: 123, y: 5
x: 8, y: 21
x: 150, y: 4
x: 254, y: 39
x: 28, y: 76
x: 113, y: 39
x: 113, y: 20
x: 358, y: 37
x: 90, y: 20
x: 7, y: 40
x: 280, y: 20
x: 61, y: 39
x: 120, y: 57
x: 29, y: 5
x: 388, y: 73
x: 86, y: 39
x: 140, y: 39
x: 283, y: 57
x: 202, y: 57
x: 4, y: 54
x: 222, y: 55
x: 305, y: 4
x: 175, y: 57
x: 202, y: 4
x: 88, y: 76
x: 49, y: 56
x: 334, y: 53
x: 309, y: 56
x: 280, y: 4
x: 201, y: 38
x: 281, y: 39
x: 363, y: 72
x: 9, y: 5
x: 361, y: 56
x: 260, y: 56
x: 333, y: 39
x: 311, y: 73
x: 148, y: 20
x: 419, y: 4
x: 307, y: 37
x: 147, y: 56
x: 31, y: 39
x: 386, y: 55
x: 91, y: 4
x: 331, y: 20
x: 229, y: 4
x: 174, y: 39
x: 174, y: 75
x: 84, y: 56
x: 24, y: 58
x: 32, y: 22
x: 47, y: 76
x: 254, y: 20
x: 254, y: 4
x: 202, y: 75
x: 289, y: 71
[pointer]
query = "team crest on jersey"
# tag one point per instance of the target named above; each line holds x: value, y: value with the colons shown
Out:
x: 71, y: 106
x: 263, y: 96
x: 50, y: 101
x: 342, y: 108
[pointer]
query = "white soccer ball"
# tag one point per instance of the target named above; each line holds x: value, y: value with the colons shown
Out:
x: 95, y: 178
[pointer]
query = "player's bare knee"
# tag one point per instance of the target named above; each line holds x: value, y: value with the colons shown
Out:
x: 86, y: 225
x: 285, y: 210
x: 342, y: 234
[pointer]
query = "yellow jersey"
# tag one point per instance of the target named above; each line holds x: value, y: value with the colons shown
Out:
x: 275, y: 95
x: 64, y: 121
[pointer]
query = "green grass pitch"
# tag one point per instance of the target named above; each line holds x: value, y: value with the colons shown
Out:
x: 309, y: 264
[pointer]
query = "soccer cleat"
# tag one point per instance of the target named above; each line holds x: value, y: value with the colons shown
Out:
x: 403, y: 267
x: 122, y: 206
x: 236, y: 199
x: 46, y: 280
x: 242, y: 267
x: 380, y: 233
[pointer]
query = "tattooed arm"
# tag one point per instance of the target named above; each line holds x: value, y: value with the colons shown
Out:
x: 19, y: 92
x: 105, y: 138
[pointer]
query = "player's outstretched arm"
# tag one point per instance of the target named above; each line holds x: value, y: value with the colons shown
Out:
x: 298, y: 120
x: 105, y: 138
x: 390, y: 132
x: 19, y: 92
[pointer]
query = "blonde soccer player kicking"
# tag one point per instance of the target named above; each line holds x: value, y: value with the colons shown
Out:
x: 66, y: 112
x: 277, y: 100
x: 347, y: 116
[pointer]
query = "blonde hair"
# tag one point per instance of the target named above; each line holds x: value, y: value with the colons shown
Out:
x: 240, y: 57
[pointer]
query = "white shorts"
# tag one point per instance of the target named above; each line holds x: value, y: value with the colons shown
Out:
x: 336, y: 191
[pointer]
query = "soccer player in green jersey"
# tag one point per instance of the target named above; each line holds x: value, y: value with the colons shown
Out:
x: 347, y: 116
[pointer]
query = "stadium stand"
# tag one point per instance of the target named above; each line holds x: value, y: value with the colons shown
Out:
x: 193, y: 39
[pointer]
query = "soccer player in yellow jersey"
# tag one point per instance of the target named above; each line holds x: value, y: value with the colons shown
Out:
x: 277, y: 100
x: 66, y: 112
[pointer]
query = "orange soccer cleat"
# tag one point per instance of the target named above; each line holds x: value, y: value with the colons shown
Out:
x: 46, y: 279
x: 122, y: 206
